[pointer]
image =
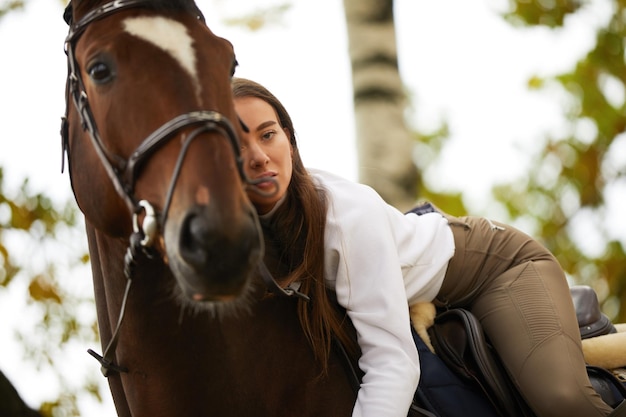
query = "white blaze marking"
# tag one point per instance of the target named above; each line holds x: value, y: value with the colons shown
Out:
x: 169, y: 35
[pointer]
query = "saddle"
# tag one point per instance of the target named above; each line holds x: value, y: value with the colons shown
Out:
x: 458, y: 339
x: 591, y: 321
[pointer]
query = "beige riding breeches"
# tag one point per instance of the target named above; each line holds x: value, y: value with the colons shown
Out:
x: 518, y: 291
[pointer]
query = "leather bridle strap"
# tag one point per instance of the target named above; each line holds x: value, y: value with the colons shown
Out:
x: 107, y: 365
x: 123, y: 173
x: 206, y: 121
x: 98, y: 13
x: 275, y: 288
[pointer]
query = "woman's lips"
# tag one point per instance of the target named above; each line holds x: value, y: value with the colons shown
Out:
x: 269, y: 183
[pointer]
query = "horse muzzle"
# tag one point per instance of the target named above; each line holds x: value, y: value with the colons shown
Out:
x: 213, y: 255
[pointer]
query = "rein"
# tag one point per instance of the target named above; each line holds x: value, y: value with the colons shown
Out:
x: 123, y: 173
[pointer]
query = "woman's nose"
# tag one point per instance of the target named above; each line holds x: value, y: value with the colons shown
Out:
x: 256, y: 157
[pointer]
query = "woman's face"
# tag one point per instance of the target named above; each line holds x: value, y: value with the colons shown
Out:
x: 266, y: 151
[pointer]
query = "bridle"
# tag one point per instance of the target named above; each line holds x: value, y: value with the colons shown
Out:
x: 123, y: 173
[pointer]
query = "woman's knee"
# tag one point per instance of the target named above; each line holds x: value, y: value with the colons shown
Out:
x: 568, y: 400
x: 554, y: 381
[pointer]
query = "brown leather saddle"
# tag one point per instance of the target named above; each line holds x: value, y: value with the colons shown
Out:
x: 591, y: 321
x: 458, y: 339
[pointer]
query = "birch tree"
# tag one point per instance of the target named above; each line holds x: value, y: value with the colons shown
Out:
x: 384, y: 141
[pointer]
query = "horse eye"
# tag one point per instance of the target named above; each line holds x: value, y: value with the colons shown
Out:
x: 99, y: 72
x: 232, y: 69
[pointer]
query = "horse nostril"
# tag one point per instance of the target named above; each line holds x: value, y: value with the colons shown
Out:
x: 195, y: 239
x: 208, y: 247
x: 214, y: 255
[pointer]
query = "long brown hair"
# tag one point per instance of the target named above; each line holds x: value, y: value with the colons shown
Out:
x: 294, y: 239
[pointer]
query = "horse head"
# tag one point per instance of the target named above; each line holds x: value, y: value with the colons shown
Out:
x: 151, y: 148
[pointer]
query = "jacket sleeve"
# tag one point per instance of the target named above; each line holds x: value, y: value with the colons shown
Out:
x: 362, y: 262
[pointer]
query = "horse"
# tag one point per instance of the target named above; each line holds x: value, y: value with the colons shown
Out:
x: 187, y: 323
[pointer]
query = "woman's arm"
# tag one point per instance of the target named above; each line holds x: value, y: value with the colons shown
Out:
x: 362, y: 262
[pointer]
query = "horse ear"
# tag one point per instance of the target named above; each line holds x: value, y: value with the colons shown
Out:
x: 67, y: 14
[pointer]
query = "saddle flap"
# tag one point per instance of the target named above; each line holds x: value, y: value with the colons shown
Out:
x: 610, y: 388
x: 458, y: 339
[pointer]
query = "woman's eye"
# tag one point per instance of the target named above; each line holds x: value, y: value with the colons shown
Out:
x: 100, y: 73
x: 268, y: 135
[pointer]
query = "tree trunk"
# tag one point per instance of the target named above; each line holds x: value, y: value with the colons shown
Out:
x: 384, y: 142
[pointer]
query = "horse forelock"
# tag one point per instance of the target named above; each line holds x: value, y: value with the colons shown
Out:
x: 172, y: 37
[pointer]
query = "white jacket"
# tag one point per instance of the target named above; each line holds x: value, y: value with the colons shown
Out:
x: 379, y: 260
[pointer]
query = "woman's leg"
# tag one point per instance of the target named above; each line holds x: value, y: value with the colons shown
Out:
x: 519, y: 293
x: 528, y: 315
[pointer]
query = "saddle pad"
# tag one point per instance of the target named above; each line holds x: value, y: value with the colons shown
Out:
x: 443, y: 393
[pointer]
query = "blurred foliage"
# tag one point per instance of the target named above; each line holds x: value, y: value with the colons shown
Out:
x: 7, y: 6
x: 549, y: 13
x: 33, y: 246
x: 429, y: 145
x: 32, y: 214
x: 567, y: 184
x: 260, y: 18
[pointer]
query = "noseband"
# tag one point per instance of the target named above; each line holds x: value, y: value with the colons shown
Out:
x: 123, y: 173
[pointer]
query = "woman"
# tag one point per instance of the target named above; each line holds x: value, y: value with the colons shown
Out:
x: 326, y: 232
